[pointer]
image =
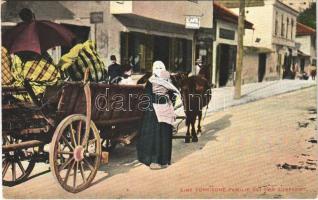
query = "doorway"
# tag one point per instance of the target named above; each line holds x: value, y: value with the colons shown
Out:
x: 226, y: 64
x: 302, y: 64
x: 261, y: 66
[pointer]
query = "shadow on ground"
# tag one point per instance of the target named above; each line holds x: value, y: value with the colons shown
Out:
x: 123, y: 159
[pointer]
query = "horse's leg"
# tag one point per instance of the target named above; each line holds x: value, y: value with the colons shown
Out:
x: 193, y: 133
x: 199, y: 122
x: 187, y: 138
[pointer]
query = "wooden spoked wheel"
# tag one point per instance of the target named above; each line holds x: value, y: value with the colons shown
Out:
x: 18, y: 164
x: 73, y: 161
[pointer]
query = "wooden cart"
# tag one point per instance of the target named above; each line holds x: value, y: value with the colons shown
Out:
x: 77, y: 119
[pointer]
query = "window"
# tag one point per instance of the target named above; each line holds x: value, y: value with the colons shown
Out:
x: 287, y: 27
x: 227, y: 34
x: 292, y: 29
x: 276, y: 24
x: 133, y: 51
x: 313, y: 62
x: 141, y: 50
x: 282, y: 27
x: 181, y: 55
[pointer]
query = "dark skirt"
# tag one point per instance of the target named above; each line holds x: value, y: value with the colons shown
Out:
x: 154, y: 144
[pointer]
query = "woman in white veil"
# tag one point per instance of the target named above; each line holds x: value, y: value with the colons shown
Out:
x: 154, y: 144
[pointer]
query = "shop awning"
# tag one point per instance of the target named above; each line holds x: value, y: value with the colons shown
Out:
x: 253, y: 49
x: 151, y: 26
x: 302, y: 54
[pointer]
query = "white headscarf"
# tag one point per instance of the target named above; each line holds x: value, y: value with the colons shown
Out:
x: 162, y: 77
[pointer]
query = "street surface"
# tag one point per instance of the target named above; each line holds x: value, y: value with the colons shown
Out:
x: 263, y: 149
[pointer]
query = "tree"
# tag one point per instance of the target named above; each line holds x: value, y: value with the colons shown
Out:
x: 308, y: 16
x: 240, y: 51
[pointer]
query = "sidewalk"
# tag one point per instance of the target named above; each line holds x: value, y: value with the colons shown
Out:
x: 222, y: 98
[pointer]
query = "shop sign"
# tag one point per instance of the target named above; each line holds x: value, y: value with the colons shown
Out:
x: 192, y: 22
x: 96, y: 17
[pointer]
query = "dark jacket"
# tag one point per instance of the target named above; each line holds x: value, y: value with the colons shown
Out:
x: 115, y: 70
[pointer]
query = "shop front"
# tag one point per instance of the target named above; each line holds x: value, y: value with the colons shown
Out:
x: 145, y: 40
x: 140, y: 50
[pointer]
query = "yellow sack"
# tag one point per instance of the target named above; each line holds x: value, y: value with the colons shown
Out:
x: 40, y: 73
x: 79, y: 58
x: 6, y: 65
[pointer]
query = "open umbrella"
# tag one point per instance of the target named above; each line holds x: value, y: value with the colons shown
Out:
x: 36, y: 36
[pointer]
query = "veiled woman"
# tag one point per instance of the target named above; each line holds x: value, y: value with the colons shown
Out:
x: 154, y: 144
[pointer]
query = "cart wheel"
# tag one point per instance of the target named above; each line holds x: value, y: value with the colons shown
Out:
x: 17, y: 165
x: 73, y: 163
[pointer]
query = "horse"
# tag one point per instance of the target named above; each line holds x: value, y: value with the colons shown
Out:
x: 196, y: 94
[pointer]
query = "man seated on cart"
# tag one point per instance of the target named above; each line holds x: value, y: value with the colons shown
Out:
x: 115, y: 71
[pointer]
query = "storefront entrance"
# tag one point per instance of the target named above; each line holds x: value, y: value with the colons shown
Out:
x: 261, y: 66
x: 226, y: 64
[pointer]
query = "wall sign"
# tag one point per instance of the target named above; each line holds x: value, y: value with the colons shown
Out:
x: 192, y: 22
x: 96, y: 17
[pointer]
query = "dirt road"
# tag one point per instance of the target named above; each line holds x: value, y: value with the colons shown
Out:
x: 264, y: 149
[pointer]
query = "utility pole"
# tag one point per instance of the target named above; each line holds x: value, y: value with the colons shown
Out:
x: 240, y: 51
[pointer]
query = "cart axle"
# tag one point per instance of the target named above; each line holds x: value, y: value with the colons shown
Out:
x: 21, y: 145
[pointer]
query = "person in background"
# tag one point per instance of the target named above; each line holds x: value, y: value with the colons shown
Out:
x: 114, y: 70
x: 127, y: 80
x: 198, y: 65
x: 154, y: 144
x: 26, y: 15
x: 201, y: 70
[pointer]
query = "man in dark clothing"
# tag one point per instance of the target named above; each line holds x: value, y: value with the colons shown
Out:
x: 114, y: 70
x: 202, y: 70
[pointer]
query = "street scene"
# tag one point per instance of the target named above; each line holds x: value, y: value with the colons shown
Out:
x: 157, y: 99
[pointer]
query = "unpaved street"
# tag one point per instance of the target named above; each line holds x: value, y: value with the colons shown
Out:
x: 263, y: 149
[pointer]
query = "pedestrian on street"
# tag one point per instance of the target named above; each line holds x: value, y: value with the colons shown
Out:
x: 115, y: 71
x: 202, y: 70
x: 154, y: 144
x: 198, y: 65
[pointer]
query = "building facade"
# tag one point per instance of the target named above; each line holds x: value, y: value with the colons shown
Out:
x: 136, y: 32
x: 274, y: 34
x: 299, y: 5
x: 225, y: 45
x: 307, y: 53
